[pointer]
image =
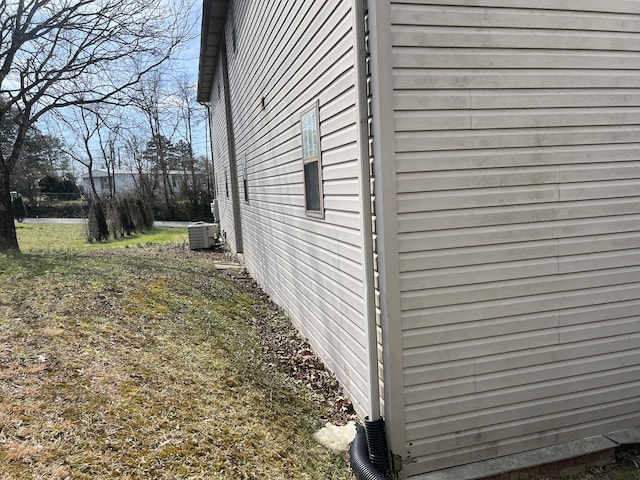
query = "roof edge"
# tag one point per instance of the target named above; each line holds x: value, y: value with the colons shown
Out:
x: 214, y: 16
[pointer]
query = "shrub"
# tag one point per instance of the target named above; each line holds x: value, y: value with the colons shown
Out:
x: 126, y: 222
x: 58, y: 209
x: 19, y: 211
x: 185, y: 211
x: 113, y: 220
x: 146, y: 214
x: 97, y: 229
x: 120, y: 217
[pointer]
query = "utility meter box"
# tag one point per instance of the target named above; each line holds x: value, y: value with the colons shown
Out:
x: 215, y: 211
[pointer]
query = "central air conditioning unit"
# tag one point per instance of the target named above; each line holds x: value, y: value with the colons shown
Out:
x: 203, y: 235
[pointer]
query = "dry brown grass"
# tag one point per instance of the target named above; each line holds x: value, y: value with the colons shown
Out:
x: 140, y: 363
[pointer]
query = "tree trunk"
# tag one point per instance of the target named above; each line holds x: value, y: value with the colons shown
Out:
x: 8, y: 237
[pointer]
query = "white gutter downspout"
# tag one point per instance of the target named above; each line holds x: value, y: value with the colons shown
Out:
x: 369, y: 455
x: 366, y: 228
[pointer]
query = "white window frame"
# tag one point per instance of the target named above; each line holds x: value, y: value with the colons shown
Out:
x: 312, y: 153
x: 245, y: 178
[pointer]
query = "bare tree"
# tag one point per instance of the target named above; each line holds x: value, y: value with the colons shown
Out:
x: 134, y: 147
x: 191, y: 112
x: 150, y: 100
x: 91, y: 127
x: 60, y: 53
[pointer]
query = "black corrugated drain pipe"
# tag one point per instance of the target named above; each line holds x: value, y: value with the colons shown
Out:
x: 368, y: 455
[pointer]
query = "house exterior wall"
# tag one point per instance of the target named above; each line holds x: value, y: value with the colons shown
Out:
x: 220, y: 154
x: 517, y: 191
x: 125, y: 182
x: 128, y: 181
x: 284, y: 58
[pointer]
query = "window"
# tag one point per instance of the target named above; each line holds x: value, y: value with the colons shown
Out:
x: 310, y: 130
x: 226, y: 182
x: 105, y: 184
x: 245, y: 179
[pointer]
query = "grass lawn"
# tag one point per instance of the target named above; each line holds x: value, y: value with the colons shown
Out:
x: 143, y: 363
x: 37, y: 237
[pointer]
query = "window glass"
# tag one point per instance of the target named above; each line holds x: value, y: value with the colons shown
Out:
x: 310, y: 134
x: 311, y: 161
x: 311, y: 182
x: 245, y: 178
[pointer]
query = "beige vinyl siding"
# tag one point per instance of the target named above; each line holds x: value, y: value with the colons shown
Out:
x: 518, y: 198
x: 289, y: 55
x: 220, y: 155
